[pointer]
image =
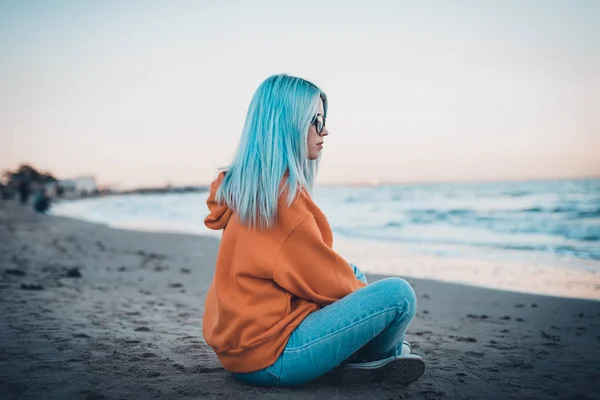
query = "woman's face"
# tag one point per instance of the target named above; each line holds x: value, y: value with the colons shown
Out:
x: 314, y: 141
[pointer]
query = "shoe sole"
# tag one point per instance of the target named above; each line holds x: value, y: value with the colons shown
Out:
x: 402, y: 370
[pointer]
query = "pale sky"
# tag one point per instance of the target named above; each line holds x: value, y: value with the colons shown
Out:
x: 146, y: 93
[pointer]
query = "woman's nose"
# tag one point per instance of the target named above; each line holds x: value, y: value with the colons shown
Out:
x: 324, y: 132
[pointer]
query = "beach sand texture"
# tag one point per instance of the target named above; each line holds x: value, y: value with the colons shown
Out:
x: 90, y: 312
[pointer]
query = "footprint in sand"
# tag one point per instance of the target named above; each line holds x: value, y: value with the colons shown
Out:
x: 74, y: 273
x: 16, y: 272
x: 466, y: 339
x: 475, y: 354
x: 432, y: 392
x: 421, y: 333
x: 179, y: 367
x: 554, y: 338
x: 474, y: 316
x: 31, y: 287
x: 199, y: 369
x: 133, y: 313
x: 93, y: 396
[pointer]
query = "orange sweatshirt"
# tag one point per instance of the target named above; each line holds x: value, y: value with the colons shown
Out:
x: 267, y: 281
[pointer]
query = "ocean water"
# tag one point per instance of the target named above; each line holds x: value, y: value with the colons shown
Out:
x: 550, y: 218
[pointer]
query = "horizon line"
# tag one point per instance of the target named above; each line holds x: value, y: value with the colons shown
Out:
x: 382, y: 183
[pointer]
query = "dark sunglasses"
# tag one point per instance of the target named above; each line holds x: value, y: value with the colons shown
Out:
x: 319, y: 120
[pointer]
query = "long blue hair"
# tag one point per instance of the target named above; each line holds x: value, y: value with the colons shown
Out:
x: 273, y: 143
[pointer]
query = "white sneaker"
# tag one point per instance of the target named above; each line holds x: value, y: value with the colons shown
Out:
x: 406, y: 348
x: 403, y: 369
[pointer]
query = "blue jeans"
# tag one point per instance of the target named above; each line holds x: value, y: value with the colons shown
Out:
x: 372, y: 319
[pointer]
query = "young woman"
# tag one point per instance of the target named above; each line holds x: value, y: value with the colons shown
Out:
x: 284, y: 308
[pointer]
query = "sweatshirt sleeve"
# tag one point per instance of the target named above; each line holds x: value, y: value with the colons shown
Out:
x: 308, y: 268
x: 219, y: 214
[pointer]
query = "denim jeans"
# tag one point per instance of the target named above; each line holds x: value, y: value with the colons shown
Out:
x: 372, y: 319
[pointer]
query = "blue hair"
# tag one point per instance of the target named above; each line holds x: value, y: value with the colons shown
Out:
x: 273, y: 143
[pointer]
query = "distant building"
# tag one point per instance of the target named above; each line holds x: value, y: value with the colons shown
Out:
x: 78, y: 187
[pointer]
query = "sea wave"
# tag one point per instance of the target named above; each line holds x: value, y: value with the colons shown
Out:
x: 554, y: 217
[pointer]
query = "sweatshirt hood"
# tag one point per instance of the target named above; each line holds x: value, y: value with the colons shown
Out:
x: 219, y: 214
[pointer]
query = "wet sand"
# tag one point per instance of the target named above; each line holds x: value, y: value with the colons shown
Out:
x: 90, y: 312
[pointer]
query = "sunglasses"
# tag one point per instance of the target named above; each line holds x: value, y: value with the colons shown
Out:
x: 319, y: 120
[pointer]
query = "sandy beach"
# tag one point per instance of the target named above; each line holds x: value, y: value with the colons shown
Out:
x: 91, y: 312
